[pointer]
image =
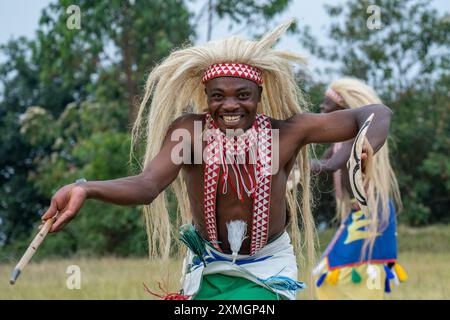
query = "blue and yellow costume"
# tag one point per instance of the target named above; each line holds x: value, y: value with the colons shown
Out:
x: 345, y: 272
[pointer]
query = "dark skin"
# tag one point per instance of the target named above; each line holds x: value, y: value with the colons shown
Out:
x: 226, y: 96
x: 332, y: 162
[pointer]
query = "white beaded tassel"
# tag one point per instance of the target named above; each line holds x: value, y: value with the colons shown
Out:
x: 237, y: 229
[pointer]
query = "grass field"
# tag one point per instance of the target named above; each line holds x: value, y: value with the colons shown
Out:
x: 425, y: 253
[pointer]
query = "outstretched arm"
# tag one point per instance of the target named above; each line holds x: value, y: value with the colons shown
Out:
x: 342, y: 125
x: 132, y: 190
x: 138, y: 189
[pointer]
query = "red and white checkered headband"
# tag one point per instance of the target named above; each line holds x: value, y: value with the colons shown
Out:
x: 239, y: 70
x: 336, y: 97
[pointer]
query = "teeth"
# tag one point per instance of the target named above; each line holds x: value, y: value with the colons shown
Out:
x: 231, y: 118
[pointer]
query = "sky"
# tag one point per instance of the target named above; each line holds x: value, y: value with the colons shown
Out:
x: 20, y: 18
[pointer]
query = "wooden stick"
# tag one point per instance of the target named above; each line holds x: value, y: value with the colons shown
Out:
x: 31, y: 249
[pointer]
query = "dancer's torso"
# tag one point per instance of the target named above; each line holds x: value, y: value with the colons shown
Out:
x: 229, y: 207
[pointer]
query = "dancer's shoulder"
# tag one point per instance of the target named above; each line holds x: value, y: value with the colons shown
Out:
x: 187, y: 121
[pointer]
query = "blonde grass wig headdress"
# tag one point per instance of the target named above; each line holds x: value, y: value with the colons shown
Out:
x: 382, y: 184
x: 175, y: 86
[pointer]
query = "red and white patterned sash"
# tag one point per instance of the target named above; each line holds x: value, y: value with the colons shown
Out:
x: 255, y: 145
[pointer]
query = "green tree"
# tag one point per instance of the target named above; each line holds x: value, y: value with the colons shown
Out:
x: 104, y: 62
x: 118, y: 42
x: 248, y: 14
x: 19, y: 204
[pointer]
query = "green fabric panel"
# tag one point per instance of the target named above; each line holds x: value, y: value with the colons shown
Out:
x: 223, y: 287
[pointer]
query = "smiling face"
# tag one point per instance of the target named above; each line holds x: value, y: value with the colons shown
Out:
x: 329, y: 105
x: 232, y: 102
